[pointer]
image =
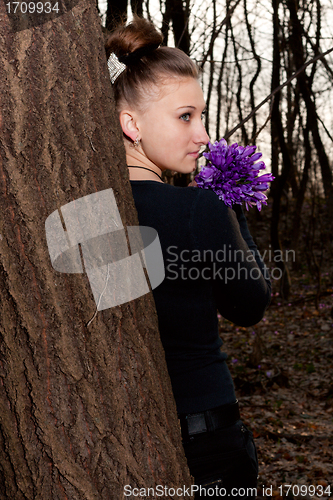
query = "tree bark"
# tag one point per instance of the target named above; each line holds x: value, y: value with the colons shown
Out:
x: 86, y: 407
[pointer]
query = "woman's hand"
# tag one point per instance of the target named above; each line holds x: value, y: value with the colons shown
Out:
x: 193, y: 184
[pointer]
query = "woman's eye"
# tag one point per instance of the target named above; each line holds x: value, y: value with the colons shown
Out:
x: 203, y: 114
x: 185, y: 117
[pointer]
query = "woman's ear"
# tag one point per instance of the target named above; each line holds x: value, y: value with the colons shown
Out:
x: 128, y: 124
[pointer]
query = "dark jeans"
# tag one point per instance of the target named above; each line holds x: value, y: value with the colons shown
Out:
x: 223, y: 463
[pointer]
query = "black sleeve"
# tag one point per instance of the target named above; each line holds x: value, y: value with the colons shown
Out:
x: 241, y: 283
x: 245, y: 232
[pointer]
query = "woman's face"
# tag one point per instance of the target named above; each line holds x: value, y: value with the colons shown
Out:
x: 171, y: 128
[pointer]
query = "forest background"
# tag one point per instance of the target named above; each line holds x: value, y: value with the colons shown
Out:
x: 247, y: 50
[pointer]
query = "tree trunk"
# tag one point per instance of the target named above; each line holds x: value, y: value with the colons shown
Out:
x: 86, y: 405
x: 306, y: 91
x: 278, y: 144
x: 116, y: 13
x: 137, y: 7
x: 301, y: 193
x: 178, y: 13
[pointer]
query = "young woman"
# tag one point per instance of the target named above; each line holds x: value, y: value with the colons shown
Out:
x: 211, y: 262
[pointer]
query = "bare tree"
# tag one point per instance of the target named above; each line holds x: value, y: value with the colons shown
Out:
x: 177, y: 13
x: 116, y: 13
x: 296, y: 38
x: 278, y: 144
x: 256, y: 75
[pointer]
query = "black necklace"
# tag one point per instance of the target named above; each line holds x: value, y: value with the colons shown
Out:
x: 150, y: 170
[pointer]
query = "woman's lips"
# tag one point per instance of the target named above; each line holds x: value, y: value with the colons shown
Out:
x: 195, y: 154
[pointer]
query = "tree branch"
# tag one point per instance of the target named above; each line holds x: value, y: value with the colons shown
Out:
x: 280, y: 87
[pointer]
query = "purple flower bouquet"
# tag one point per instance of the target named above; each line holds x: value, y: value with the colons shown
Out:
x: 233, y: 175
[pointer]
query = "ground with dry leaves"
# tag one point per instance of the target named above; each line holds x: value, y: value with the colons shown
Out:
x: 283, y: 373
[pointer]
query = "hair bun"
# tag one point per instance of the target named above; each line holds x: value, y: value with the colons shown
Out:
x: 136, y: 55
x: 131, y: 42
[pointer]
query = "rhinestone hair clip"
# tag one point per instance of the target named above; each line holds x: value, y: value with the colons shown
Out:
x: 115, y: 67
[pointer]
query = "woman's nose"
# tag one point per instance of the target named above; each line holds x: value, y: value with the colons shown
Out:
x: 201, y: 136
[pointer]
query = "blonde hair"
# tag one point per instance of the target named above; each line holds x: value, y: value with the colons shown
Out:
x: 148, y: 65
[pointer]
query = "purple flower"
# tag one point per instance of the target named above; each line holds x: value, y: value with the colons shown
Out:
x: 233, y: 175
